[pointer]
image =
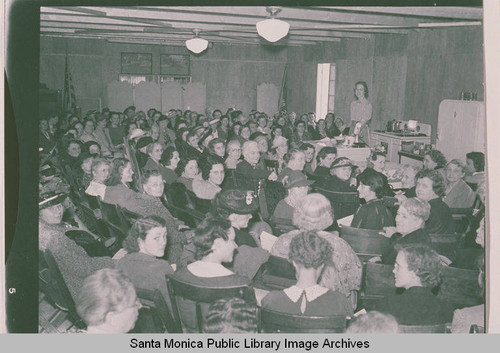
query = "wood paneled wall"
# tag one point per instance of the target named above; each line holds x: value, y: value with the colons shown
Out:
x: 407, y: 75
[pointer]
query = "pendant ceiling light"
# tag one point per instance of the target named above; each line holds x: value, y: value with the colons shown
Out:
x: 196, y: 44
x: 272, y: 29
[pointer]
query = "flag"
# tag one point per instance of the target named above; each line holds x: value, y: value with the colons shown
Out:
x: 282, y: 104
x: 69, y: 99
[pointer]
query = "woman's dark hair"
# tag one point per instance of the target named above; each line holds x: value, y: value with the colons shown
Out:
x: 89, y: 144
x: 374, y: 180
x: 211, y: 228
x: 183, y: 163
x: 231, y: 315
x: 437, y: 157
x: 477, y: 159
x: 117, y: 167
x: 290, y: 154
x: 324, y: 152
x: 235, y: 114
x: 167, y: 155
x: 178, y: 122
x: 273, y: 130
x: 206, y: 165
x: 438, y: 185
x: 425, y: 262
x: 147, y: 174
x: 217, y: 110
x: 299, y: 121
x: 212, y: 143
x: 140, y: 230
x: 365, y: 86
x: 310, y: 250
x: 77, y: 142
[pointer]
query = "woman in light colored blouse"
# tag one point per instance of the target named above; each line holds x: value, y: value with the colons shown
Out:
x: 309, y: 254
x: 457, y: 194
x: 361, y: 110
x: 100, y: 172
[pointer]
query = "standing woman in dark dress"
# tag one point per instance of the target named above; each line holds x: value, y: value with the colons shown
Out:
x: 373, y: 214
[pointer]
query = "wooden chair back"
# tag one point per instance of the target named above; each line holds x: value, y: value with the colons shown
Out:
x: 271, y: 321
x: 439, y: 328
x: 54, y: 287
x: 154, y: 316
x: 378, y: 282
x: 278, y: 273
x: 447, y: 244
x: 202, y: 294
x: 366, y: 243
x: 460, y: 287
x: 343, y: 203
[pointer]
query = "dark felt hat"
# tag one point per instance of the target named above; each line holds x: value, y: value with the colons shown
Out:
x: 237, y: 201
x: 143, y: 142
x: 51, y: 198
x: 342, y: 162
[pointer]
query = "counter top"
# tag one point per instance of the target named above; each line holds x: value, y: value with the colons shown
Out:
x: 400, y: 135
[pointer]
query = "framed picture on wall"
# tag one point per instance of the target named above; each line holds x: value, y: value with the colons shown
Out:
x: 137, y: 63
x: 174, y: 65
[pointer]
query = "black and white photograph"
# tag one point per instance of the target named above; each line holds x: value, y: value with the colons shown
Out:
x: 260, y: 169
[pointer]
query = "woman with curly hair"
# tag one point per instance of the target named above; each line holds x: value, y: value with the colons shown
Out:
x: 232, y: 315
x: 417, y: 269
x: 435, y: 160
x: 213, y: 245
x: 309, y: 254
x: 430, y: 187
x: 145, y: 246
x: 314, y: 213
x: 169, y: 160
x: 212, y: 176
x: 108, y: 303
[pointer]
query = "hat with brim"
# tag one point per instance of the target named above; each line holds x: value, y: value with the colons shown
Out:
x: 295, y: 179
x: 237, y: 201
x: 143, y: 142
x: 136, y: 133
x: 341, y: 162
x: 50, y: 199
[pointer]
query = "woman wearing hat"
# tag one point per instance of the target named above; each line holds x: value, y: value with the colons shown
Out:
x: 74, y: 263
x: 340, y: 180
x: 297, y: 187
x: 315, y: 213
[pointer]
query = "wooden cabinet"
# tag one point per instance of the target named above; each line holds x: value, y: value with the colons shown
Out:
x: 392, y: 142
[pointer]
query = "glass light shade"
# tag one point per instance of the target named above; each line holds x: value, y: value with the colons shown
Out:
x: 197, y: 45
x: 272, y: 29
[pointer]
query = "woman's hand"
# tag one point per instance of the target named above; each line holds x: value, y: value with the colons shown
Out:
x: 400, y: 196
x: 388, y: 231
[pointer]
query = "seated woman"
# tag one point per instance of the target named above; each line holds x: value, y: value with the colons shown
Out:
x: 297, y: 187
x: 373, y: 214
x: 376, y: 162
x: 100, y: 172
x: 295, y: 161
x: 457, y: 194
x: 108, y: 303
x: 309, y: 254
x: 417, y: 269
x: 83, y: 175
x: 340, y: 180
x: 145, y: 246
x: 249, y: 167
x: 187, y: 171
x: 308, y: 150
x: 410, y: 222
x: 154, y: 151
x: 213, y: 244
x: 435, y: 160
x: 475, y: 166
x: 407, y: 183
x: 169, y: 160
x: 464, y: 318
x: 233, y: 154
x: 74, y: 263
x: 430, y: 188
x: 320, y: 131
x: 279, y: 149
x: 212, y: 176
x: 314, y: 213
x: 217, y: 149
x: 325, y: 158
x: 232, y: 315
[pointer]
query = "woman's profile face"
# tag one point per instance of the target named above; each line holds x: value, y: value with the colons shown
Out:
x: 87, y: 165
x: 359, y: 91
x: 379, y: 164
x: 403, y: 276
x: 364, y: 191
x: 101, y: 173
x: 154, y: 243
x: 216, y: 175
x: 225, y: 248
x: 127, y: 173
x: 309, y: 153
x: 191, y: 169
x: 278, y: 132
x: 282, y: 149
x: 429, y: 163
x: 263, y: 144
